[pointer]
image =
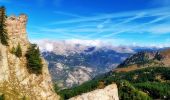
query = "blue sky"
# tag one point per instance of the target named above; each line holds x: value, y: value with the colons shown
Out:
x: 121, y: 22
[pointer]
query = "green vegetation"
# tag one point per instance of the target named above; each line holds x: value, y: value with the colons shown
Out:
x: 3, y: 31
x: 2, y: 97
x: 158, y: 56
x: 142, y: 84
x: 86, y: 87
x: 17, y: 51
x: 34, y: 62
x: 128, y: 92
x: 56, y: 88
x: 162, y: 89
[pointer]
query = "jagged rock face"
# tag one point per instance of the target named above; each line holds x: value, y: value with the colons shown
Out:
x: 16, y: 28
x: 108, y: 93
x: 15, y: 80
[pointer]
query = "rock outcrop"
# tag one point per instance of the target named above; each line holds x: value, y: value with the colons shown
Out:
x: 108, y: 93
x: 15, y: 81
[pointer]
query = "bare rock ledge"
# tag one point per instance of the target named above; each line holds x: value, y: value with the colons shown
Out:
x: 110, y: 92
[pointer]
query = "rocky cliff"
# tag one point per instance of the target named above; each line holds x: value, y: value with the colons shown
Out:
x: 110, y: 92
x: 15, y: 81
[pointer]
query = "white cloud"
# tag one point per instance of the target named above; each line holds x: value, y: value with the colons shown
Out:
x: 44, y: 45
x: 66, y: 47
x: 160, y: 30
x: 49, y: 47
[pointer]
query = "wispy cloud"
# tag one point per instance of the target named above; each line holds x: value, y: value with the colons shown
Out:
x: 108, y: 26
x: 141, y: 28
x: 159, y: 29
x: 67, y: 14
x: 152, y: 12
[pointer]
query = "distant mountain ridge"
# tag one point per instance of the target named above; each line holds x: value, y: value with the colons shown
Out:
x: 71, y: 64
x: 148, y: 58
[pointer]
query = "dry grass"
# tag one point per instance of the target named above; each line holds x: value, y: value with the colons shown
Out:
x: 127, y: 69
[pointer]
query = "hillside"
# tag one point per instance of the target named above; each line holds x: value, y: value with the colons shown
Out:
x: 24, y: 74
x: 159, y: 58
x: 143, y: 76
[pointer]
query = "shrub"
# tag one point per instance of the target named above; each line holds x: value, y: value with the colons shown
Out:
x: 101, y: 85
x: 18, y: 51
x: 2, y: 97
x: 56, y: 88
x: 13, y: 50
x: 34, y: 62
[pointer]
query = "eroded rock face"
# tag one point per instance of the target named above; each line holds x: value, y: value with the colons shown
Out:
x: 108, y: 93
x: 15, y: 80
x: 78, y: 76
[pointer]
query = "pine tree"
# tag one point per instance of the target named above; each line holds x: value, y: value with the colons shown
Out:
x: 18, y: 51
x: 34, y: 62
x: 3, y: 31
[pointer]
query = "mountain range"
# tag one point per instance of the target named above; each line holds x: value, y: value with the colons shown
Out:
x: 72, y: 64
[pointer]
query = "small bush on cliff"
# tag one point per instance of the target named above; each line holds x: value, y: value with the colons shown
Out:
x: 13, y: 50
x: 34, y: 62
x: 17, y: 51
x: 3, y: 31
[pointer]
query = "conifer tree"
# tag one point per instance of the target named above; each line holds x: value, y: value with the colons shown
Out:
x: 3, y: 31
x: 34, y: 62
